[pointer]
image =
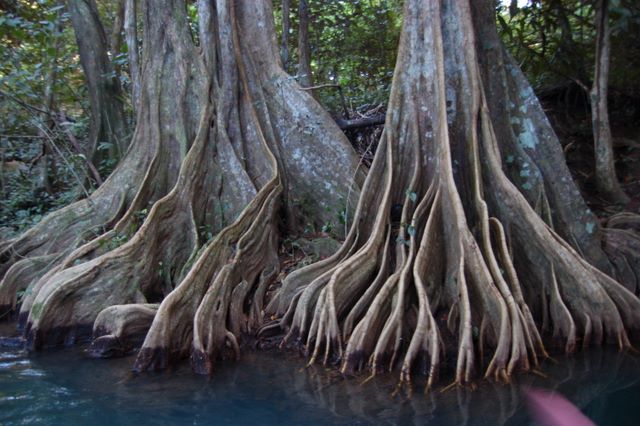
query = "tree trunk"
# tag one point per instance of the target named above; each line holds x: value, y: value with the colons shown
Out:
x: 226, y: 145
x: 115, y: 40
x: 46, y: 163
x: 131, y: 36
x: 286, y: 25
x: 445, y: 247
x: 305, y: 75
x: 108, y: 122
x: 606, y: 179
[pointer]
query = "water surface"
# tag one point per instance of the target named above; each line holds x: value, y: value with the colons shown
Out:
x: 66, y: 387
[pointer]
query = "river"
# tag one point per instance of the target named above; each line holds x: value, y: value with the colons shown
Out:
x: 65, y: 387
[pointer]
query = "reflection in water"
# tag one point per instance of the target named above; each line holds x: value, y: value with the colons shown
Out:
x: 594, y: 382
x: 64, y: 387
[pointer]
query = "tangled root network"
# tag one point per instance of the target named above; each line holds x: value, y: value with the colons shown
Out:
x: 469, y: 241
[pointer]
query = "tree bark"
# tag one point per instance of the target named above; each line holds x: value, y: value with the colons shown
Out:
x: 115, y: 40
x: 286, y: 25
x: 606, y: 179
x: 226, y: 147
x: 305, y: 75
x: 131, y: 36
x: 531, y: 153
x: 445, y: 247
x: 108, y: 122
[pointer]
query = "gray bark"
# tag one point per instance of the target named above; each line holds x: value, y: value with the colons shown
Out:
x: 131, y: 35
x: 286, y: 25
x: 115, y: 40
x: 606, y: 179
x: 305, y: 76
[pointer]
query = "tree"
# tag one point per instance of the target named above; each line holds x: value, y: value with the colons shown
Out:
x: 305, y: 74
x: 131, y: 36
x: 202, y: 184
x: 606, y: 178
x: 600, y: 33
x: 286, y: 26
x: 108, y: 123
x: 469, y: 232
x: 469, y: 236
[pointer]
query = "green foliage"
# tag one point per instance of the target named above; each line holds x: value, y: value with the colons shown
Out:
x: 40, y: 42
x: 41, y: 78
x: 25, y: 198
x: 554, y: 41
x: 116, y: 241
x: 353, y: 44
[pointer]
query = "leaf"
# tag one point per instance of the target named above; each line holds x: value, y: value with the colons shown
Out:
x: 104, y: 146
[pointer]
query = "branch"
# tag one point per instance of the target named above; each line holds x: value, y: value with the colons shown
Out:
x: 358, y: 123
x: 23, y: 104
x: 58, y: 122
x: 320, y: 86
x: 74, y: 142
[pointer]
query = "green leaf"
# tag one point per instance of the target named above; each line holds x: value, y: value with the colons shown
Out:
x: 104, y: 146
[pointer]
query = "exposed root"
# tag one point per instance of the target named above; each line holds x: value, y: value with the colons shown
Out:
x: 467, y: 241
x: 446, y: 257
x: 120, y: 328
x: 221, y: 297
x: 621, y: 241
x: 118, y: 276
x: 88, y: 229
x: 18, y: 278
x: 225, y: 299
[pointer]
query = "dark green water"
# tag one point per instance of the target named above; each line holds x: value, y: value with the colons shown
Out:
x: 65, y: 388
